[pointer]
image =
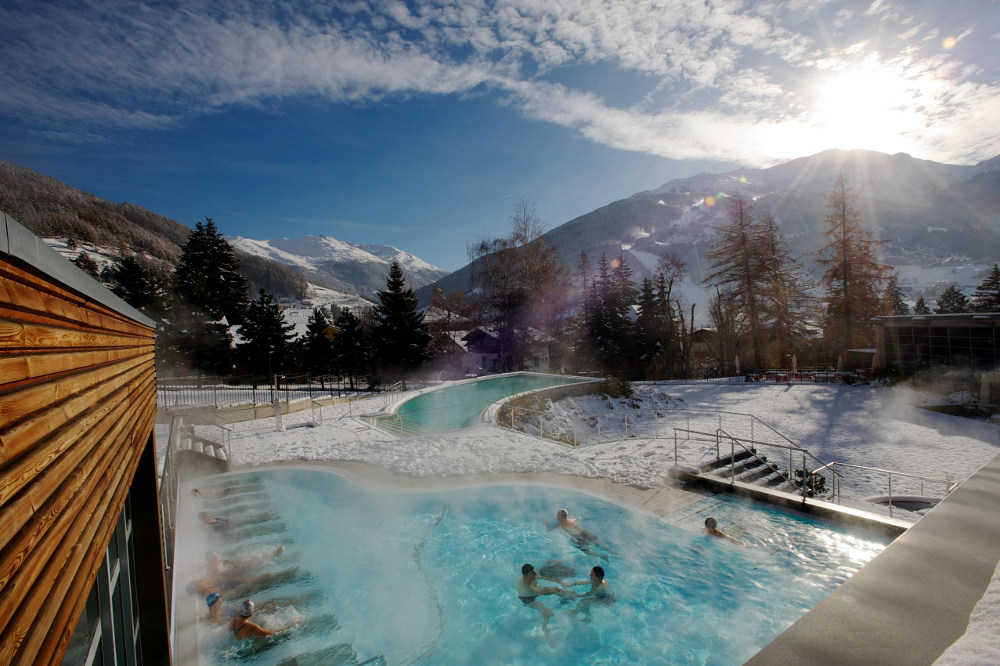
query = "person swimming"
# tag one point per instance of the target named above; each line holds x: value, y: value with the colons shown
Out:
x: 242, y: 628
x: 712, y: 529
x: 599, y: 593
x: 528, y: 592
x: 578, y: 536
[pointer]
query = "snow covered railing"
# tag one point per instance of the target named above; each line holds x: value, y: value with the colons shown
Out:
x: 597, y: 428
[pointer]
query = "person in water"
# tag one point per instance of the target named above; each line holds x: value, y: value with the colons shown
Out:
x: 580, y: 537
x: 712, y: 529
x: 528, y: 592
x: 599, y: 593
x: 242, y: 628
x: 219, y: 568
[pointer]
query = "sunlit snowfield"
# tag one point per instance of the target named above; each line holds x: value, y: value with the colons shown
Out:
x: 431, y: 576
x: 862, y: 425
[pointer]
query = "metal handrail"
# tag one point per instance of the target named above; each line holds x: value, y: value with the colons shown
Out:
x: 732, y: 457
x: 791, y: 447
x: 948, y: 480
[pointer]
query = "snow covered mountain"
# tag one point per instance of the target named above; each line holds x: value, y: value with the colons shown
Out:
x: 941, y: 221
x: 352, y: 268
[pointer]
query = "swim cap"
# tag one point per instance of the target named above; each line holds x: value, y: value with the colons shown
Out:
x: 246, y: 610
x: 212, y: 598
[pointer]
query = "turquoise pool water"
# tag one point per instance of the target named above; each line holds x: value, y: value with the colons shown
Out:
x: 404, y: 578
x: 460, y: 405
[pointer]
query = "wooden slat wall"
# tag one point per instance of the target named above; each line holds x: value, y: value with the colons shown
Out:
x: 77, y: 407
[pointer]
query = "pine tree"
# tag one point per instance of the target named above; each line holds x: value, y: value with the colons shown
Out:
x: 191, y: 338
x: 206, y: 276
x: 608, y: 326
x: 893, y: 298
x: 317, y: 344
x: 921, y: 307
x: 952, y: 301
x: 138, y: 283
x: 85, y: 263
x: 400, y: 334
x: 987, y: 295
x: 853, y: 278
x: 265, y: 335
x: 351, y: 350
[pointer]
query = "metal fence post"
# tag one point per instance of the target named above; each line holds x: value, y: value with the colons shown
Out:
x: 890, y: 495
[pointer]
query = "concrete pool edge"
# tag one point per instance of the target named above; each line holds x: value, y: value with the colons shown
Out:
x: 913, y: 601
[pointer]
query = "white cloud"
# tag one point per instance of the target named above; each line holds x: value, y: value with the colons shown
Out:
x: 730, y: 71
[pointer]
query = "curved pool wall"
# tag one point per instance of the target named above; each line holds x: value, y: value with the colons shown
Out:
x: 428, y: 576
x: 462, y: 404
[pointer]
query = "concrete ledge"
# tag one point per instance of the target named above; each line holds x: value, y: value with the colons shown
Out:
x: 909, y: 604
x: 857, y: 520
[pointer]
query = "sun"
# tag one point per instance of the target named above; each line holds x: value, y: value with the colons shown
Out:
x: 868, y: 106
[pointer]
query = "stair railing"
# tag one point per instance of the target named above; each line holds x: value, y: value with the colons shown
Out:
x: 948, y: 480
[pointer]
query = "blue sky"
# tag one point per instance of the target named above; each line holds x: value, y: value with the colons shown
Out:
x: 420, y: 124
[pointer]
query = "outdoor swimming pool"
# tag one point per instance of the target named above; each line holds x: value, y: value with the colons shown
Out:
x: 429, y: 577
x: 460, y: 405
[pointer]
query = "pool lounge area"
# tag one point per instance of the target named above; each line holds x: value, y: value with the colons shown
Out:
x: 879, y: 613
x: 438, y: 560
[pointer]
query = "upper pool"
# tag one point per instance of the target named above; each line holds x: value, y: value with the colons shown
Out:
x: 460, y: 405
x: 429, y: 577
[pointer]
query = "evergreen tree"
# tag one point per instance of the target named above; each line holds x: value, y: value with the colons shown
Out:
x: 894, y: 302
x: 85, y: 263
x: 987, y: 295
x: 654, y: 340
x: 317, y: 344
x: 191, y: 338
x: 608, y: 326
x: 952, y: 301
x: 853, y: 278
x: 206, y: 276
x: 138, y: 283
x: 351, y: 350
x: 921, y: 307
x: 265, y: 336
x: 399, y: 335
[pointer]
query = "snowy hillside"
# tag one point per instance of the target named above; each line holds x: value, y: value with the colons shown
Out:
x: 941, y: 221
x: 347, y: 267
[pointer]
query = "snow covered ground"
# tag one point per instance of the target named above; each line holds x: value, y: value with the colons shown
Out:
x: 875, y: 427
x: 861, y: 425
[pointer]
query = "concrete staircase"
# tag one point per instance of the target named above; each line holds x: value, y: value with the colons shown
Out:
x: 749, y: 466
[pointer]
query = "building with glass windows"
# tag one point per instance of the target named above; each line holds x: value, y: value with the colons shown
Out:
x: 911, y: 344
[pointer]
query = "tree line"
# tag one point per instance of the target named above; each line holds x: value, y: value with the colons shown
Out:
x: 766, y: 311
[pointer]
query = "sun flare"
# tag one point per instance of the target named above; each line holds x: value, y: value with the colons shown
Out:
x: 866, y: 107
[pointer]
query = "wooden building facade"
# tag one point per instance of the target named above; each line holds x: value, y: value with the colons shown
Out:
x: 81, y: 561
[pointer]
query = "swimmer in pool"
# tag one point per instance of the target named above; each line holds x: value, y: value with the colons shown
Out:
x: 599, y: 593
x: 580, y: 537
x: 528, y: 592
x: 242, y: 628
x: 712, y: 529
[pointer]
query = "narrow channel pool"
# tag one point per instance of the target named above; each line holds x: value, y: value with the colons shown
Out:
x: 460, y: 405
x: 429, y: 577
